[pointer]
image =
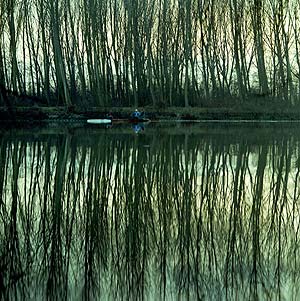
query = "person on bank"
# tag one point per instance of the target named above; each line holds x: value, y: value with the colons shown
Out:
x: 136, y: 114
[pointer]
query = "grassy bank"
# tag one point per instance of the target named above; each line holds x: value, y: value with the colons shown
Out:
x: 240, y: 112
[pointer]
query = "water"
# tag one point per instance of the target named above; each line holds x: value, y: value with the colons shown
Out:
x: 171, y: 211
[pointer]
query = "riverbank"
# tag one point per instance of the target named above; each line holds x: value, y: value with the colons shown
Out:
x: 48, y: 114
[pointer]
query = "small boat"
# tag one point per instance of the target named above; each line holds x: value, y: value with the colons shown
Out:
x: 131, y: 120
x: 109, y: 121
x: 99, y: 121
x: 139, y: 120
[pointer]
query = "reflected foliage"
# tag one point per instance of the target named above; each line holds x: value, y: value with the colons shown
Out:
x: 164, y: 215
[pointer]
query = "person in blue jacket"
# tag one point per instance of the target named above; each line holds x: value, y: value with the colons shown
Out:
x: 136, y: 114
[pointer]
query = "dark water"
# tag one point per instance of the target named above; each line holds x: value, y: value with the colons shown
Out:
x: 174, y: 212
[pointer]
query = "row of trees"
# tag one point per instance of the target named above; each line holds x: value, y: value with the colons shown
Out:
x: 138, y: 52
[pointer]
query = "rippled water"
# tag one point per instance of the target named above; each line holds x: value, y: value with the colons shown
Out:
x: 165, y: 212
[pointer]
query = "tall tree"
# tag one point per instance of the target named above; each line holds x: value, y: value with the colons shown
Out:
x: 60, y: 70
x: 258, y: 23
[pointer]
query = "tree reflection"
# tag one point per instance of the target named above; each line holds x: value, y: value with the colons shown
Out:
x: 191, y: 216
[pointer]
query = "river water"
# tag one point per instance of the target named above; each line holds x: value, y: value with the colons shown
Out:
x: 167, y: 211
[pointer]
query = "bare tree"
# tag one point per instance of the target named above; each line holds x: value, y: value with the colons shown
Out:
x: 258, y: 23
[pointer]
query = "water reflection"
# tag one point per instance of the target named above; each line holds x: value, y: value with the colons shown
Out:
x: 191, y: 213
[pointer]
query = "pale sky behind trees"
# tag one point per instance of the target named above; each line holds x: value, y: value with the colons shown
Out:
x: 139, y: 52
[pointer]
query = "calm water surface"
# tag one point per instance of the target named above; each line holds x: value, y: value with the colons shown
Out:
x: 173, y: 212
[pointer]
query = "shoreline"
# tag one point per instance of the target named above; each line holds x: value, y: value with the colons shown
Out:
x: 193, y: 114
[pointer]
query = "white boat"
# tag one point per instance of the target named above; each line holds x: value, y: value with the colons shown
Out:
x: 99, y: 121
